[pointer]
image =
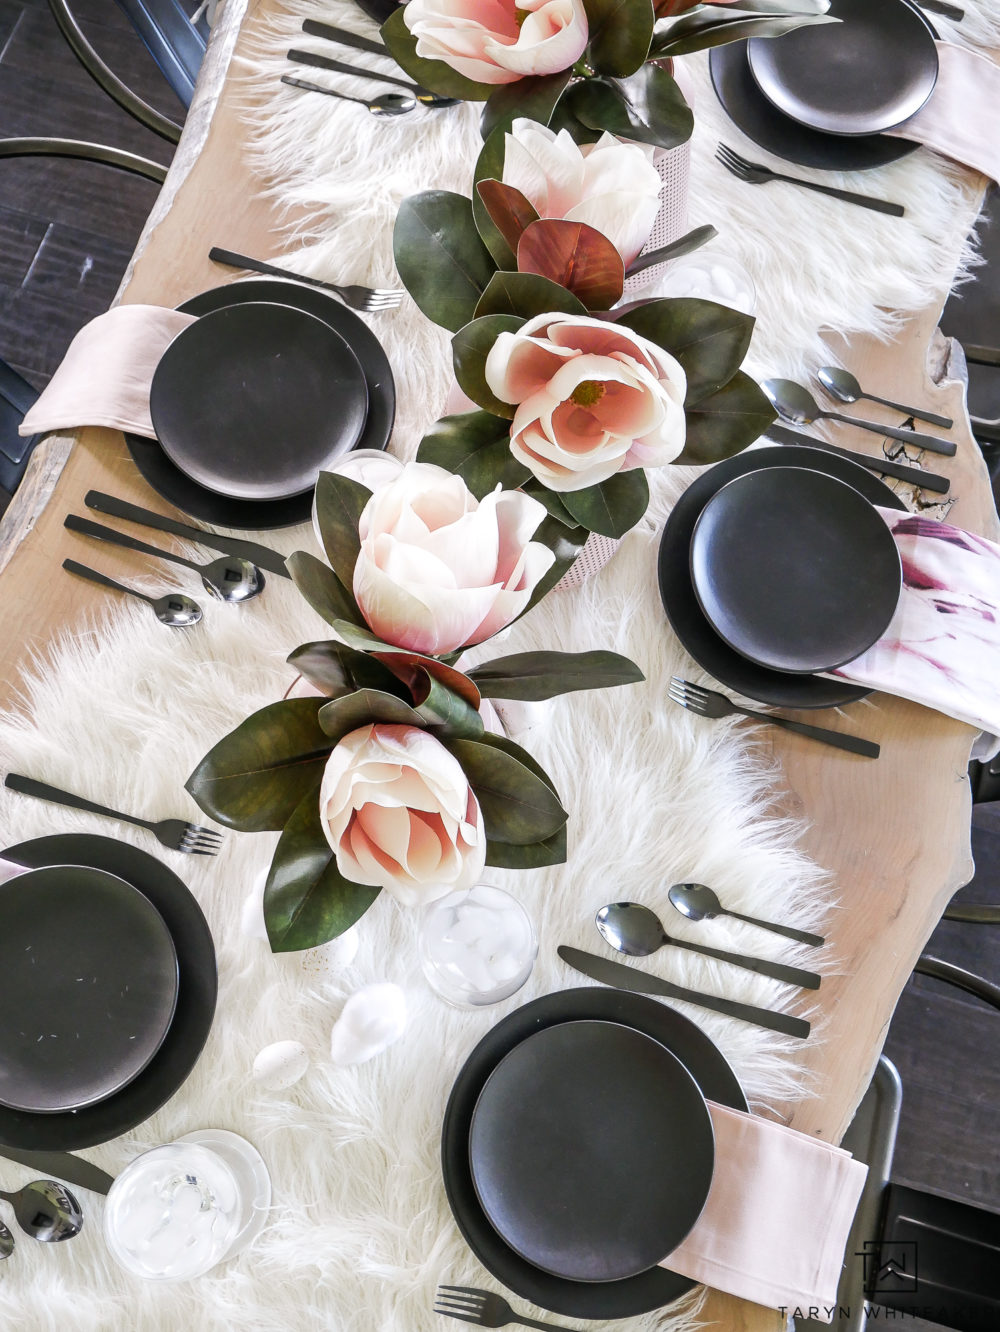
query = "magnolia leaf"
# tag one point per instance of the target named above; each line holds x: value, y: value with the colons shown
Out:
x: 577, y: 257
x: 489, y: 166
x: 613, y: 507
x: 565, y: 542
x: 563, y: 118
x: 707, y: 28
x: 532, y: 855
x: 432, y: 74
x: 255, y: 776
x: 552, y: 502
x: 307, y: 901
x: 445, y: 710
x: 518, y: 806
x: 620, y: 33
x: 726, y: 422
x: 323, y: 589
x: 470, y: 347
x: 352, y: 711
x: 709, y: 340
x: 533, y: 676
x: 532, y: 98
x: 475, y: 446
x: 415, y: 672
x: 648, y: 107
x: 336, y: 669
x: 510, y: 210
x: 527, y: 294
x: 686, y: 244
x: 443, y: 263
x: 339, y: 505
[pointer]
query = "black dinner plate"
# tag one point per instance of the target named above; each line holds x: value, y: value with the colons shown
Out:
x: 379, y: 10
x: 254, y: 400
x: 196, y: 995
x: 265, y: 515
x: 794, y: 569
x: 683, y: 1038
x: 89, y: 987
x: 591, y: 1150
x: 688, y: 619
x: 868, y: 73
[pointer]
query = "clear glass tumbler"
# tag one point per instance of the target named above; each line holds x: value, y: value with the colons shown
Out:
x: 477, y: 946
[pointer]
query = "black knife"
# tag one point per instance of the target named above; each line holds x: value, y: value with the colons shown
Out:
x: 641, y: 982
x: 916, y: 476
x: 316, y: 29
x: 62, y: 1166
x: 263, y: 556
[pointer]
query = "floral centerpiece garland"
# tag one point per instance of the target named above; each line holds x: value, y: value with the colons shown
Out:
x: 388, y: 778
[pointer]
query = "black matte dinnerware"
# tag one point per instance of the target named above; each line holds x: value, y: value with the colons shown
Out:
x: 482, y: 1308
x: 423, y: 95
x: 63, y: 1165
x: 196, y: 996
x: 386, y: 104
x: 366, y: 299
x: 756, y: 173
x: 642, y: 982
x: 709, y: 703
x: 915, y: 476
x: 698, y: 902
x: 89, y: 991
x: 176, y: 834
x: 173, y: 609
x: 796, y: 404
x: 843, y: 386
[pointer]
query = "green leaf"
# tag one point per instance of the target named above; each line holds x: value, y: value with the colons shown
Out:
x: 339, y: 505
x: 307, y: 901
x: 708, y: 339
x: 532, y: 676
x: 648, y: 107
x: 726, y: 422
x: 323, y: 589
x: 432, y: 74
x: 686, y: 244
x: 532, y: 855
x: 533, y: 98
x: 254, y: 777
x: 562, y: 118
x: 510, y: 210
x: 489, y: 166
x: 412, y: 669
x: 613, y: 507
x: 527, y: 295
x: 475, y: 446
x: 470, y: 347
x: 517, y: 805
x: 445, y: 711
x: 440, y: 257
x: 336, y: 669
x: 705, y: 28
x: 577, y: 257
x: 552, y: 502
x: 620, y: 34
x: 342, y: 715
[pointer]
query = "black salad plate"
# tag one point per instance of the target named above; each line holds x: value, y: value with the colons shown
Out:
x: 591, y: 1150
x: 869, y: 72
x: 89, y: 987
x: 254, y: 400
x: 265, y: 515
x: 688, y: 619
x: 633, y: 1295
x: 794, y: 569
x: 196, y: 995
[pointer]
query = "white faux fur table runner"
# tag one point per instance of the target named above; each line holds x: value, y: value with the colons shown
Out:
x: 360, y: 1233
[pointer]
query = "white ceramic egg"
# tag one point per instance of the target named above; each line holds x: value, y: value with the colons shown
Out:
x: 280, y: 1065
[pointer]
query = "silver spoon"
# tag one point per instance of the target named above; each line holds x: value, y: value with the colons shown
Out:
x: 228, y: 578
x: 389, y: 104
x: 842, y: 385
x: 175, y: 609
x: 423, y: 95
x: 6, y: 1242
x: 46, y: 1211
x: 637, y: 932
x: 796, y: 404
x: 698, y: 902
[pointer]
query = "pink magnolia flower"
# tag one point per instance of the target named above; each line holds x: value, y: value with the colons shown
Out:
x: 593, y: 398
x: 499, y: 41
x: 439, y: 569
x: 611, y: 186
x: 399, y: 813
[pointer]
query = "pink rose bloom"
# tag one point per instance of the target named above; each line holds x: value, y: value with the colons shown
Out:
x: 593, y: 398
x: 499, y: 41
x: 399, y: 813
x: 611, y: 186
x: 439, y: 569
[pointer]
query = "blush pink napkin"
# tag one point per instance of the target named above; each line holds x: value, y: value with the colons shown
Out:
x: 775, y: 1225
x: 959, y: 119
x: 105, y: 375
x: 943, y: 643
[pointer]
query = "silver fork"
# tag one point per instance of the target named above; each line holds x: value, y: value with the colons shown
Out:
x: 366, y: 299
x: 707, y: 703
x: 755, y: 173
x: 173, y: 833
x: 483, y: 1308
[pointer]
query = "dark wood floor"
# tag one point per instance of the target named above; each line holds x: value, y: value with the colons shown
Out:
x: 66, y: 232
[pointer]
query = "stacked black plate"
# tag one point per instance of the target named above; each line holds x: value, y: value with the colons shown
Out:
x: 273, y: 382
x: 564, y: 1214
x: 821, y: 95
x: 108, y: 993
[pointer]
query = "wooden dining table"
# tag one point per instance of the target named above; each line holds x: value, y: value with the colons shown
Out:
x: 893, y: 834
